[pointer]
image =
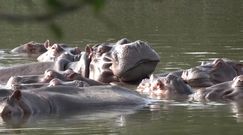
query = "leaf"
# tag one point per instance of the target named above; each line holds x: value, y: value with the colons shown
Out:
x: 54, y: 4
x: 97, y: 4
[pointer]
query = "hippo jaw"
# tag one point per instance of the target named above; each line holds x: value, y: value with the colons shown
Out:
x: 208, y: 74
x: 131, y: 58
x: 122, y: 61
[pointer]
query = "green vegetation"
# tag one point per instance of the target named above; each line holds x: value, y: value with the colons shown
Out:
x: 47, y: 10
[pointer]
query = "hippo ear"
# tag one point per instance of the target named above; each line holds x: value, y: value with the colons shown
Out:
x: 47, y: 44
x: 30, y: 48
x: 16, y: 95
x: 219, y: 63
x: 88, y: 49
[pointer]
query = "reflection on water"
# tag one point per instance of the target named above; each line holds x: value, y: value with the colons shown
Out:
x: 184, y: 33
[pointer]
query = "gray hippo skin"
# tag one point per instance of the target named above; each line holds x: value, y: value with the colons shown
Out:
x: 168, y: 87
x: 55, y: 50
x: 53, y: 82
x: 81, y: 66
x: 122, y: 61
x: 63, y: 99
x: 33, y: 81
x: 212, y: 73
x: 24, y: 69
x: 230, y: 90
x: 31, y: 47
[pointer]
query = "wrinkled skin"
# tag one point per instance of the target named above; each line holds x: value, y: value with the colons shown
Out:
x: 63, y: 99
x: 81, y: 66
x: 30, y: 48
x: 230, y: 90
x: 55, y: 50
x: 24, y: 69
x: 212, y: 73
x: 122, y: 61
x: 168, y: 87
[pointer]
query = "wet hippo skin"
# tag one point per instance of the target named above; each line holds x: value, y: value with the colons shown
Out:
x: 64, y: 99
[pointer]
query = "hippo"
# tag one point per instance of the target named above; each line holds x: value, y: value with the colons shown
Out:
x: 31, y: 47
x: 66, y: 99
x: 81, y: 66
x: 44, y: 79
x: 226, y: 91
x: 215, y: 72
x: 122, y: 61
x: 35, y: 68
x: 53, y: 82
x: 75, y: 83
x: 168, y: 87
x: 55, y: 50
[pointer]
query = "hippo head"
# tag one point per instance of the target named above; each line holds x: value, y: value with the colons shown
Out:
x: 122, y: 61
x: 230, y: 90
x: 211, y: 73
x: 164, y: 87
x: 55, y: 50
x: 30, y: 48
x: 13, y: 106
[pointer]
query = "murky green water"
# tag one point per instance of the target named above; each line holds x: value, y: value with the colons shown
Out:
x: 183, y: 32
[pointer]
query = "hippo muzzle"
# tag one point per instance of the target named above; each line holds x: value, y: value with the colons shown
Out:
x: 123, y: 61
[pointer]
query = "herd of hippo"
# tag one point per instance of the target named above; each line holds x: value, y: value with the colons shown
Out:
x: 67, y: 79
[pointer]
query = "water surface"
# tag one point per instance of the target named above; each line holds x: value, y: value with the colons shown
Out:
x: 183, y: 32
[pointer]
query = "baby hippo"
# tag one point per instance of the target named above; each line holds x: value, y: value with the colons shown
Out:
x: 231, y: 90
x: 215, y: 72
x: 169, y: 87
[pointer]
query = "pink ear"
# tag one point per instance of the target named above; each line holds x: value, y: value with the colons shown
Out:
x: 47, y: 44
x: 88, y: 49
x: 16, y: 95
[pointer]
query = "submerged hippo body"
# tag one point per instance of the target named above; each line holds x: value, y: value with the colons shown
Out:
x: 122, y: 61
x: 31, y: 47
x: 230, y: 90
x: 212, y: 73
x: 168, y: 87
x: 24, y: 69
x: 61, y: 99
x: 68, y: 77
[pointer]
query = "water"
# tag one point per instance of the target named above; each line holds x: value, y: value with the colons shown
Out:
x: 183, y: 32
